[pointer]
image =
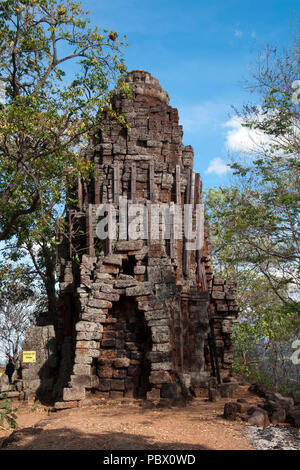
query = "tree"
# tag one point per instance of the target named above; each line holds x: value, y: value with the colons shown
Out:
x: 260, y: 211
x: 36, y: 253
x: 255, y: 222
x: 47, y: 120
x: 269, y: 318
x: 19, y: 305
x: 57, y: 73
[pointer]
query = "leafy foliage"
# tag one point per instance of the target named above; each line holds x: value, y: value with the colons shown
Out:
x: 255, y: 225
x: 47, y: 118
x: 57, y: 73
x: 7, y: 413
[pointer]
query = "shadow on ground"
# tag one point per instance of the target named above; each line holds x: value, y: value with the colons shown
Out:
x: 37, y: 438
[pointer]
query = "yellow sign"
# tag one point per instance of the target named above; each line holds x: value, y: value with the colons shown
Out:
x: 29, y: 356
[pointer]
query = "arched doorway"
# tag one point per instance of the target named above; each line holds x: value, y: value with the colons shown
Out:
x: 123, y: 368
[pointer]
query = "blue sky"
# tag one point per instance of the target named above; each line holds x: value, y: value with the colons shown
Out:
x: 200, y: 51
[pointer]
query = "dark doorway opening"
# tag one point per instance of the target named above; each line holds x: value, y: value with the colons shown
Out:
x: 123, y: 367
x: 128, y: 265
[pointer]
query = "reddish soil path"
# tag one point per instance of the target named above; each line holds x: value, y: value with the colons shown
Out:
x: 128, y: 425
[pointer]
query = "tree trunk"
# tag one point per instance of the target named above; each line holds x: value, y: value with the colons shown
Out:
x: 50, y: 280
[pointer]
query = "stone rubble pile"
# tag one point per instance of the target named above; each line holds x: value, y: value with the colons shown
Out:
x: 275, y: 409
x: 273, y: 438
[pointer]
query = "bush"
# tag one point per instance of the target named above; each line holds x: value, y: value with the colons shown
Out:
x: 262, y: 372
x: 7, y: 413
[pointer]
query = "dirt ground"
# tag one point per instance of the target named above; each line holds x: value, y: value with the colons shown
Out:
x: 129, y: 425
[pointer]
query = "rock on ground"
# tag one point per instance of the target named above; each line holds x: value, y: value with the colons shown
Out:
x: 273, y: 438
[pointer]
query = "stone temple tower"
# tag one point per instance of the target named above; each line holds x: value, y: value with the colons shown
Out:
x: 139, y: 317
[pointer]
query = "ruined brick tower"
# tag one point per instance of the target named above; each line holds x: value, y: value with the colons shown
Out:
x: 139, y: 318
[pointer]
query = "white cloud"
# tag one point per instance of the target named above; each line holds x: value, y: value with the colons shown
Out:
x: 238, y: 33
x: 209, y: 113
x: 242, y: 139
x: 218, y: 166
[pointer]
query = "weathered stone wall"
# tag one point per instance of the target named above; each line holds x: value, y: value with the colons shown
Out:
x: 43, y: 372
x: 135, y: 315
x: 170, y: 287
